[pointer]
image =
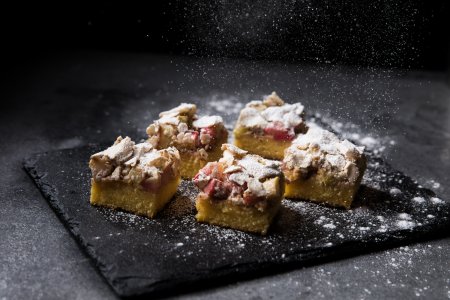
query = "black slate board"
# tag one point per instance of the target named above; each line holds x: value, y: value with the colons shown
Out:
x: 137, y: 255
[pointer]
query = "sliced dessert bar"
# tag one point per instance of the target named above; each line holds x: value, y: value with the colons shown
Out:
x: 321, y: 168
x: 240, y: 191
x: 268, y: 127
x: 135, y: 178
x: 197, y: 139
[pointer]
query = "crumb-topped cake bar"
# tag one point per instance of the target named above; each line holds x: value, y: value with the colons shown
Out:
x: 197, y: 139
x: 320, y: 167
x: 268, y: 127
x: 240, y: 191
x: 134, y: 177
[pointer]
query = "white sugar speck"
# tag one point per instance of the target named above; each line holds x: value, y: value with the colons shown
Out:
x: 369, y: 141
x: 227, y: 105
x: 436, y: 200
x: 380, y: 218
x: 404, y: 216
x: 355, y: 136
x: 382, y: 228
x: 364, y: 228
x: 328, y: 244
x: 179, y: 244
x: 329, y: 226
x: 430, y: 216
x: 320, y: 220
x: 434, y: 184
x: 403, y: 224
x: 419, y: 199
x: 395, y: 191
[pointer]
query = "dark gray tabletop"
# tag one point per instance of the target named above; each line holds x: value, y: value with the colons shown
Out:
x: 68, y: 100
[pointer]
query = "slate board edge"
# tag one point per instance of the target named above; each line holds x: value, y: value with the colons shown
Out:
x: 246, y: 271
x: 29, y: 166
x: 234, y: 273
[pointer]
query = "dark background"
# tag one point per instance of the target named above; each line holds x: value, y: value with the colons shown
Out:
x: 77, y: 72
x: 383, y: 33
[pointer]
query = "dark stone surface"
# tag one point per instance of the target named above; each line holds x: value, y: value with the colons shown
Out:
x: 140, y: 256
x: 68, y: 100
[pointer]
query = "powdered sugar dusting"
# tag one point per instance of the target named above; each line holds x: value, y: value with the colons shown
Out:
x: 395, y: 191
x: 436, y: 200
x: 384, y: 206
x: 228, y: 105
x: 419, y: 199
x: 404, y: 216
x: 403, y: 224
x: 354, y: 133
x: 329, y: 226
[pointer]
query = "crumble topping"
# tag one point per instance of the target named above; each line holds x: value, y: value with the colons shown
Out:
x: 321, y: 151
x: 242, y: 178
x: 207, y: 121
x: 183, y: 112
x: 180, y: 127
x: 137, y: 163
x: 273, y: 116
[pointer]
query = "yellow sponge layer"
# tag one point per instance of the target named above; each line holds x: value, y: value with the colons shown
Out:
x: 264, y: 146
x: 121, y: 195
x: 191, y: 163
x: 323, y: 190
x: 227, y: 214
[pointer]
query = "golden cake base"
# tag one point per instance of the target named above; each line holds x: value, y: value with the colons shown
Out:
x: 227, y: 214
x: 191, y: 163
x: 322, y: 190
x: 263, y: 145
x: 131, y: 198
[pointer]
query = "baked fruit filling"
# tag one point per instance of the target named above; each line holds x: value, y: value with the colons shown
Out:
x: 321, y: 168
x: 134, y: 177
x: 197, y: 139
x: 268, y: 127
x: 240, y: 191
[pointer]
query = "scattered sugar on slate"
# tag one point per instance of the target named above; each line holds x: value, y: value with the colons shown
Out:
x: 327, y: 223
x: 354, y: 223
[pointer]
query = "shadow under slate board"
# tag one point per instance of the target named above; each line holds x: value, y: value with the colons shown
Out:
x: 138, y: 255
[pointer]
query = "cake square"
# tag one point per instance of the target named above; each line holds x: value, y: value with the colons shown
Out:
x: 134, y: 177
x: 198, y: 140
x: 268, y: 127
x: 240, y: 191
x: 321, y: 168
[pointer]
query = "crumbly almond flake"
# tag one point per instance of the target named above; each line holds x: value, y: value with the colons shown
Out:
x: 121, y: 150
x: 179, y: 127
x: 205, y: 138
x: 273, y: 100
x: 208, y: 121
x: 249, y: 169
x: 321, y: 149
x: 128, y: 161
x: 182, y: 109
x: 233, y: 150
x: 258, y: 115
x: 232, y: 169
